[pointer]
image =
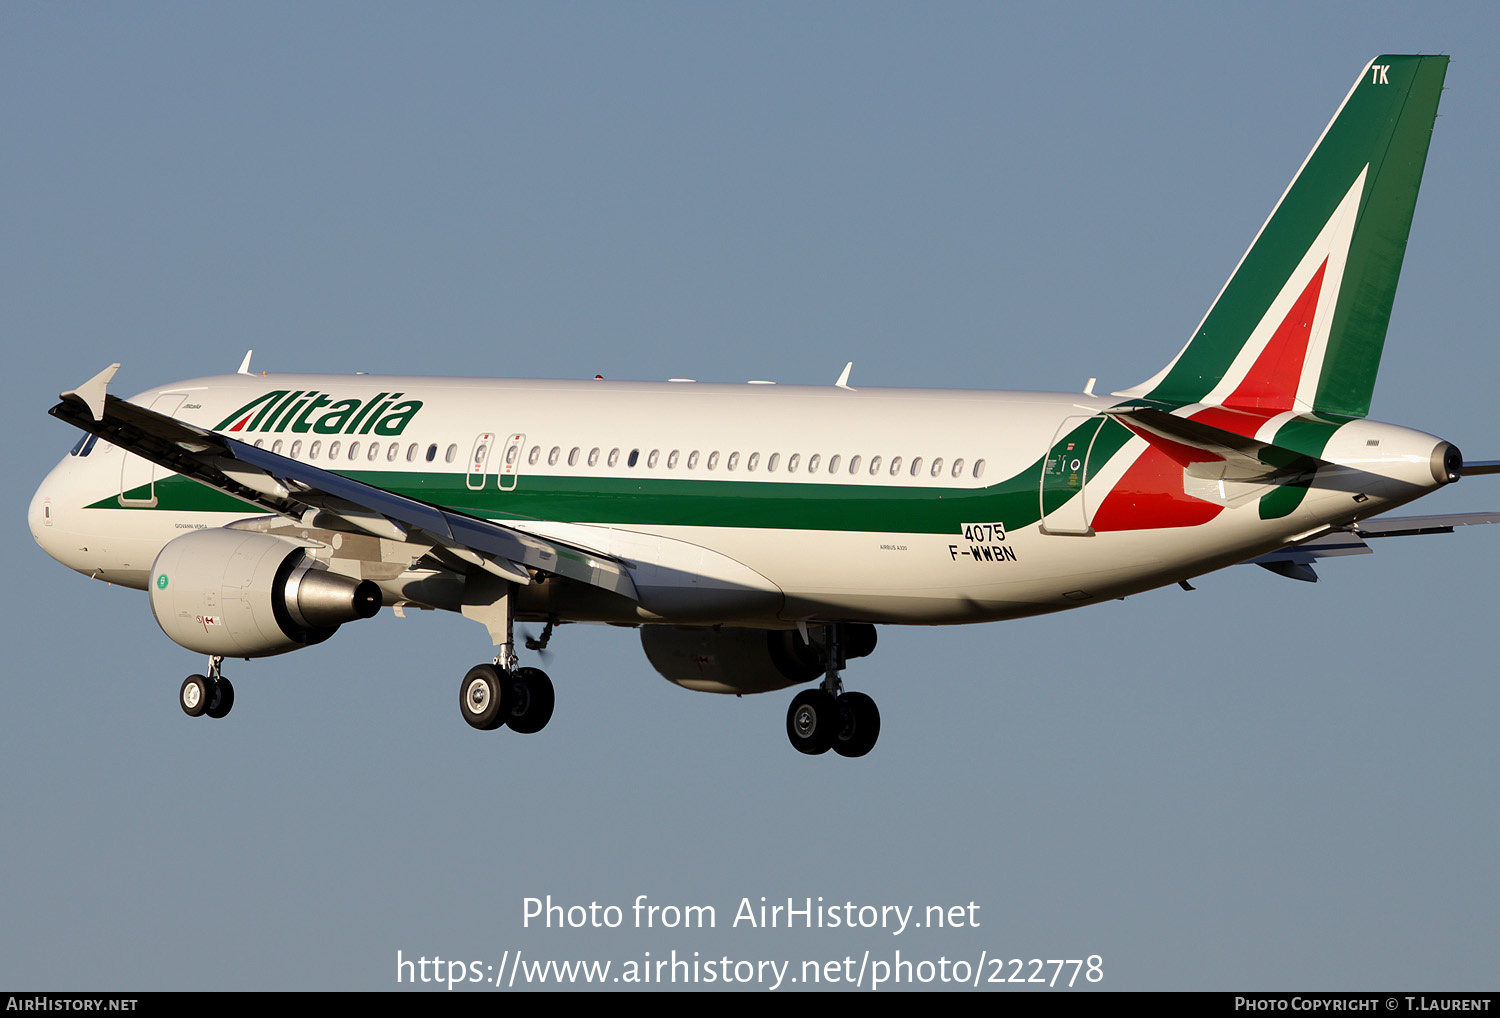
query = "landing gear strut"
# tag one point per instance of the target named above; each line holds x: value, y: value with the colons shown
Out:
x: 827, y: 717
x: 210, y: 694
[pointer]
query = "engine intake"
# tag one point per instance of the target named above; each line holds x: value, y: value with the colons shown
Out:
x: 241, y: 594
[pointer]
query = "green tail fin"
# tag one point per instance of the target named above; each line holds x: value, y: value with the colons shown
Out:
x: 1301, y: 323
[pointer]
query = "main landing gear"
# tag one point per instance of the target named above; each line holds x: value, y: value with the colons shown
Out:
x: 827, y: 717
x: 492, y: 697
x: 503, y: 693
x: 209, y: 694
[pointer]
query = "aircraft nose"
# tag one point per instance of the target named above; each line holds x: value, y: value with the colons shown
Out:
x: 42, y: 516
x: 39, y: 514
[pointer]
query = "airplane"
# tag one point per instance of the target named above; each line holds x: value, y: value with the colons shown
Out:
x: 757, y: 534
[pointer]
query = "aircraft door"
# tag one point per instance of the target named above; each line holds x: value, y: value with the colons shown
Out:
x: 510, y: 463
x: 479, y: 460
x: 138, y: 476
x: 1064, y: 472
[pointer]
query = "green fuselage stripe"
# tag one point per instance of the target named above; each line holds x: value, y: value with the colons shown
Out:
x: 645, y: 501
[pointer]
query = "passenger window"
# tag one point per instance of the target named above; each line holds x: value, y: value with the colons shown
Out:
x: 978, y: 469
x: 651, y: 459
x: 374, y: 451
x: 937, y: 467
x: 734, y: 460
x: 511, y: 453
x: 573, y: 457
x: 432, y: 452
x: 753, y: 461
x: 895, y: 465
x: 693, y: 459
x: 614, y: 457
x: 536, y: 454
x: 552, y: 456
x: 276, y: 446
x: 916, y: 467
x: 333, y: 450
x: 874, y: 465
x: 812, y: 463
x: 411, y: 453
x: 854, y: 465
x: 393, y: 452
x: 314, y: 449
x: 792, y: 461
x: 353, y: 450
x: 833, y: 463
x: 958, y: 467
x: 296, y: 448
x: 771, y: 463
x: 594, y: 456
x: 451, y: 454
x: 672, y: 460
x: 260, y: 442
x: 635, y: 454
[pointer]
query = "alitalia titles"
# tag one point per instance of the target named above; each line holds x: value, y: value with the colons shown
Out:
x: 308, y: 410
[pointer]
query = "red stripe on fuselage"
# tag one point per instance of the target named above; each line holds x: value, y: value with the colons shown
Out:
x: 1150, y: 495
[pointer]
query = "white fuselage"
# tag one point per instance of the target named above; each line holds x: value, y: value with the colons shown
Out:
x: 740, y: 504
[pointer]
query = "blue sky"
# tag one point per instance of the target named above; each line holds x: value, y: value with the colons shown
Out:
x: 1261, y: 784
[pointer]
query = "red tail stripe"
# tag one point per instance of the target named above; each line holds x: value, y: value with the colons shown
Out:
x: 1272, y: 381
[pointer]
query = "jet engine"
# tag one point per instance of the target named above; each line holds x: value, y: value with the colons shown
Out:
x: 233, y: 593
x: 730, y: 660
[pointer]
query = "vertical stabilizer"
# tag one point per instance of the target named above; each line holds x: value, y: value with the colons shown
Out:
x: 1301, y: 323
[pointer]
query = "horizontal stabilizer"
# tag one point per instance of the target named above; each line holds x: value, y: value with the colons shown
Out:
x: 1406, y: 526
x: 1295, y: 560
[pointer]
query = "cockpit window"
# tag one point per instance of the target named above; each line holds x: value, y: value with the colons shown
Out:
x: 84, y: 445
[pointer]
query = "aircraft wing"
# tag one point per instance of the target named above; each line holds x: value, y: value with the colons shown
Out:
x: 294, y: 489
x: 1295, y: 561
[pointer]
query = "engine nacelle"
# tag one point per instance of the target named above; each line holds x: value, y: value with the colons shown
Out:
x: 235, y: 593
x: 730, y: 660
